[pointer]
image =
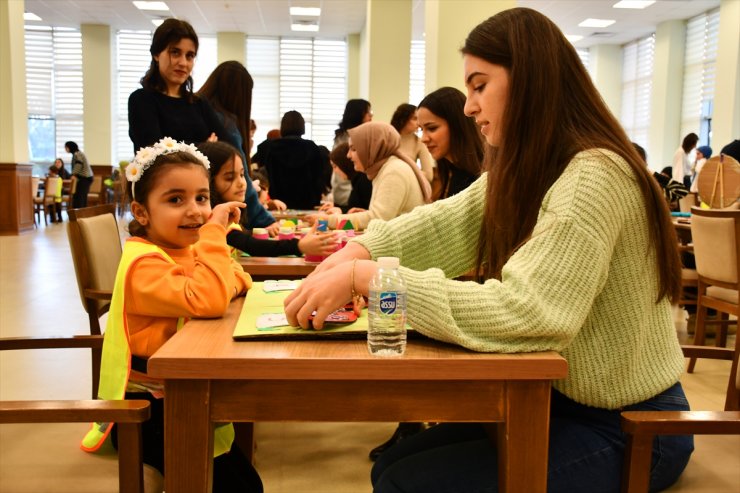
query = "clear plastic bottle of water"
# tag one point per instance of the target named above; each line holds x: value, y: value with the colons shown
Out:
x: 386, y: 333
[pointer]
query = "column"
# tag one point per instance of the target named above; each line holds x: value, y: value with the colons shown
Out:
x: 446, y: 25
x: 385, y: 50
x: 353, y: 66
x: 232, y: 46
x: 726, y: 116
x: 605, y: 67
x: 666, y: 99
x: 97, y: 95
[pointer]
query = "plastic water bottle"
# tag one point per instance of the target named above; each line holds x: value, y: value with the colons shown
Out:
x: 386, y: 333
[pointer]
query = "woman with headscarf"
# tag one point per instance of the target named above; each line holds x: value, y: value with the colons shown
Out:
x: 398, y: 184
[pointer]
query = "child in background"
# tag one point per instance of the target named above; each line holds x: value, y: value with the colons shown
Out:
x: 227, y: 183
x: 56, y: 207
x: 176, y: 266
x: 263, y: 184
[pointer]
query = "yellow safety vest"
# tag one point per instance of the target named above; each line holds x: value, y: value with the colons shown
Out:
x: 115, y: 365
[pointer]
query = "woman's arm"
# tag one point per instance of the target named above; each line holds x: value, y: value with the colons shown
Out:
x: 261, y: 248
x: 426, y: 160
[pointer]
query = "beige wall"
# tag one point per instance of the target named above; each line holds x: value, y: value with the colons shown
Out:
x: 231, y: 46
x: 353, y: 66
x: 97, y: 95
x: 13, y: 116
x: 605, y: 67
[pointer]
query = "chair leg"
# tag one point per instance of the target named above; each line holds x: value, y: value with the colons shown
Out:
x: 700, y: 332
x: 637, y: 462
x: 721, y: 340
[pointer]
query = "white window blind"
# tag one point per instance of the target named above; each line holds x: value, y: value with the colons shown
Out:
x: 304, y: 74
x: 637, y: 74
x: 54, y: 91
x: 132, y: 62
x: 699, y: 72
x: 417, y: 72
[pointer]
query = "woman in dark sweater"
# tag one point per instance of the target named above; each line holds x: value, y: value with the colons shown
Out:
x: 165, y: 106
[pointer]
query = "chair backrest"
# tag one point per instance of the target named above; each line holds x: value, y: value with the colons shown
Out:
x: 95, y: 244
x: 716, y: 238
x: 686, y: 203
x: 35, y: 180
x: 97, y: 184
x: 51, y: 188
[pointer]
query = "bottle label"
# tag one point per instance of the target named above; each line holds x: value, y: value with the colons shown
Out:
x: 388, y: 303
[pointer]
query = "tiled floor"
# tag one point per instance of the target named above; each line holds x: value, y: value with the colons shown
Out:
x: 38, y: 295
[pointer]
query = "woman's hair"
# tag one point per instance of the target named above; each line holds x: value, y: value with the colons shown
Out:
x: 72, y: 146
x: 553, y: 111
x: 219, y: 154
x: 148, y: 180
x: 170, y: 32
x: 354, y: 114
x: 60, y: 160
x: 689, y: 142
x: 466, y: 142
x: 229, y: 90
x: 339, y: 157
x: 292, y: 124
x: 402, y: 115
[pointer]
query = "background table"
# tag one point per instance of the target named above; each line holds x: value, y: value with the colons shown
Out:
x: 209, y: 378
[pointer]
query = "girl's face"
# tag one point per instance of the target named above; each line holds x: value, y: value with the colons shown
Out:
x: 176, y: 63
x: 352, y: 154
x: 435, y: 134
x: 58, y: 163
x: 411, y: 126
x: 230, y: 182
x: 488, y: 91
x: 177, y: 206
x: 339, y: 171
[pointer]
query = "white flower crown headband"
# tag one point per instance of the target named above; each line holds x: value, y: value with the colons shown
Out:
x: 146, y: 156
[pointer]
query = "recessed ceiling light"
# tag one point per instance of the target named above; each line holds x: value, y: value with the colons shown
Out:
x: 304, y: 27
x: 633, y: 4
x: 29, y: 16
x: 305, y: 11
x: 157, y: 22
x: 597, y: 23
x: 573, y: 37
x: 160, y: 6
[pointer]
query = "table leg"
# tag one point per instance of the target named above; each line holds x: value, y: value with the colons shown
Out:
x: 188, y: 436
x: 523, y: 437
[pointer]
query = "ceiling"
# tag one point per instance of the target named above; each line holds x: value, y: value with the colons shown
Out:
x: 342, y: 17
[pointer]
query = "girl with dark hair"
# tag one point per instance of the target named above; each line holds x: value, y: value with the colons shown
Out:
x: 568, y: 220
x: 356, y: 112
x: 404, y: 120
x: 229, y: 91
x: 82, y: 171
x: 682, y: 160
x: 166, y: 105
x: 452, y: 139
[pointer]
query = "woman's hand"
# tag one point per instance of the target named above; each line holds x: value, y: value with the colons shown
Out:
x: 327, y: 292
x: 226, y: 213
x: 326, y: 206
x: 318, y: 243
x: 356, y: 209
x: 273, y: 229
x: 312, y: 219
x: 276, y: 205
x: 349, y: 252
x: 333, y: 210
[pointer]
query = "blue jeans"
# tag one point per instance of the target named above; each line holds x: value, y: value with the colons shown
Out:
x: 585, y: 454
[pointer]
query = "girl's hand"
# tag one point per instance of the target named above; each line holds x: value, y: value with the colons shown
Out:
x: 226, y: 213
x: 334, y: 210
x: 273, y: 229
x: 326, y: 292
x: 213, y: 137
x: 316, y: 243
x: 312, y: 219
x: 276, y: 205
x: 326, y: 206
x: 349, y: 252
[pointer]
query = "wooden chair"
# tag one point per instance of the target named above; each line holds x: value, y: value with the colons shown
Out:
x: 41, y: 204
x: 716, y: 238
x: 95, y: 195
x: 686, y: 203
x: 95, y: 244
x: 35, y: 181
x: 641, y: 427
x: 69, y: 193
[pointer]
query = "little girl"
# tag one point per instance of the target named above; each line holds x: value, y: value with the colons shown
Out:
x: 228, y: 184
x: 175, y: 266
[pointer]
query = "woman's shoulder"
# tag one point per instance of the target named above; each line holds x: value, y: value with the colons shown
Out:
x: 600, y: 163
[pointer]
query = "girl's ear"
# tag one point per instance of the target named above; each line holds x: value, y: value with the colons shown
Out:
x: 140, y: 213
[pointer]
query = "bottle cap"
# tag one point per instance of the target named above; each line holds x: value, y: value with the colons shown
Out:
x: 388, y: 262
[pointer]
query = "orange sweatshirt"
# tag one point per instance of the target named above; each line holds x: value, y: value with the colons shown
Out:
x: 201, y: 283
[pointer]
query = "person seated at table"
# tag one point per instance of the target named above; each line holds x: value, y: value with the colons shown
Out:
x: 398, y: 184
x: 55, y: 209
x: 703, y: 153
x: 362, y: 188
x: 175, y: 266
x: 61, y: 170
x: 228, y: 184
x: 672, y: 190
x: 263, y: 185
x: 575, y: 252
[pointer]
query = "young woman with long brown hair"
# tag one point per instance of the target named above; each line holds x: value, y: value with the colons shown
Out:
x: 573, y: 239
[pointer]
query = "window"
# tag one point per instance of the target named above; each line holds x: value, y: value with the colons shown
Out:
x: 54, y: 92
x: 308, y: 75
x: 698, y: 77
x: 637, y: 74
x: 132, y: 62
x: 583, y: 55
x: 416, y: 72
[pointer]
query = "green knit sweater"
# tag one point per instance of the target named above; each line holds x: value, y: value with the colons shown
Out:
x: 585, y: 284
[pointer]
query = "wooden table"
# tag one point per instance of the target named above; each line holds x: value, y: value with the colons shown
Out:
x: 210, y: 379
x: 264, y: 268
